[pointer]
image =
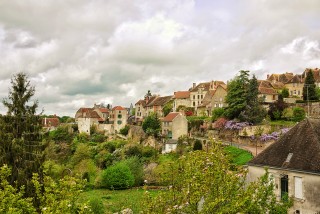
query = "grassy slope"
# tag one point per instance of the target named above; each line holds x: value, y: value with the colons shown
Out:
x: 238, y: 156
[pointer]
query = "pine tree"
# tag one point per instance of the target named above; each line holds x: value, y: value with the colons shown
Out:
x: 309, y: 88
x: 21, y: 145
x: 237, y: 95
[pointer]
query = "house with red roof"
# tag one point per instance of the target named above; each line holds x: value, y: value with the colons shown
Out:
x: 174, y: 125
x: 50, y: 123
x: 181, y: 98
x: 118, y: 117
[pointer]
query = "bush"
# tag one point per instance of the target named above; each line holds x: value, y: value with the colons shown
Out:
x: 133, y: 150
x: 96, y: 205
x: 98, y: 138
x: 217, y: 113
x: 287, y: 114
x: 298, y: 114
x: 61, y: 134
x: 197, y: 145
x: 136, y: 168
x: 125, y: 130
x: 118, y: 176
x: 82, y: 152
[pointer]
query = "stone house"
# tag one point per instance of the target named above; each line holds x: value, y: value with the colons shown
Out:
x: 87, y: 119
x: 141, y: 108
x: 156, y: 105
x: 181, y: 98
x: 50, y: 123
x: 118, y: 117
x: 295, y: 86
x: 293, y: 162
x: 267, y: 93
x: 174, y: 125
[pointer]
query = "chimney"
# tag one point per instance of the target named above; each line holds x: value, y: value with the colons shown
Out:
x: 194, y: 85
x: 268, y: 76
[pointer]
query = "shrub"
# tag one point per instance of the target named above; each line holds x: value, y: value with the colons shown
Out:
x: 82, y: 138
x: 197, y: 145
x: 61, y: 134
x: 136, y: 168
x: 287, y: 113
x: 104, y: 159
x: 82, y: 152
x: 217, y: 113
x: 98, y: 138
x: 96, y: 205
x: 133, y: 150
x: 118, y: 176
x: 87, y: 169
x: 298, y: 114
x: 125, y: 130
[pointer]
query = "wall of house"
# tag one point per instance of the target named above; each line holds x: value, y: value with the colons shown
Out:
x: 166, y: 128
x: 169, y: 147
x: 84, y: 124
x: 218, y: 99
x: 179, y: 127
x: 140, y: 112
x: 181, y: 102
x: 120, y: 119
x: 269, y: 98
x: 106, y: 128
x: 196, y: 97
x: 295, y: 89
x: 310, y: 201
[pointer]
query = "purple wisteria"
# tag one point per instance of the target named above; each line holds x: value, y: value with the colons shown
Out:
x: 273, y: 135
x: 236, y: 125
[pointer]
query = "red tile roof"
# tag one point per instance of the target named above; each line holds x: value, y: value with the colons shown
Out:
x: 50, y: 122
x: 104, y: 110
x: 181, y: 94
x: 170, y: 117
x: 118, y: 108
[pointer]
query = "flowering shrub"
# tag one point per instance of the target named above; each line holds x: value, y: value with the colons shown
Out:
x: 220, y: 123
x: 232, y: 125
x: 273, y: 135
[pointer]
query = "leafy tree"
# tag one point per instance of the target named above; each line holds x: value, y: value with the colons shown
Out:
x: 136, y: 167
x: 298, y: 114
x: 237, y: 94
x: 202, y: 182
x: 118, y: 176
x: 21, y: 146
x: 253, y: 111
x: 152, y: 125
x: 167, y: 108
x: 125, y: 130
x: 217, y: 113
x: 287, y: 113
x: 61, y: 134
x: 285, y: 93
x: 276, y: 108
x: 309, y: 88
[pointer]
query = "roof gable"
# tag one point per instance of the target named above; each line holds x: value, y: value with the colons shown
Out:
x: 181, y: 94
x: 303, y: 141
x: 170, y: 117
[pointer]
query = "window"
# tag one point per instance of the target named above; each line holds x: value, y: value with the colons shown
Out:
x: 298, y: 92
x: 119, y: 122
x: 201, y: 96
x: 284, y: 186
x: 194, y: 96
x: 198, y: 96
x: 298, y: 187
x: 119, y: 115
x: 194, y: 103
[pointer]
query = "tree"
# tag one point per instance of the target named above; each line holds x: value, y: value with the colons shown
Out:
x: 309, y: 88
x: 118, y: 176
x: 276, y: 109
x: 152, y: 125
x: 203, y: 182
x: 298, y: 114
x: 285, y: 93
x: 167, y: 108
x: 237, y: 94
x: 21, y: 146
x: 217, y: 113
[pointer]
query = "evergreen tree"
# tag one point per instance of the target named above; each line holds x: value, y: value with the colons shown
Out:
x: 21, y: 146
x: 309, y: 88
x: 253, y: 111
x: 237, y: 95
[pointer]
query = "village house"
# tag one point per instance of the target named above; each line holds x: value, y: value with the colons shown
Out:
x: 86, y: 118
x: 295, y: 86
x: 181, y: 98
x: 267, y: 93
x: 50, y: 123
x: 118, y: 117
x: 294, y: 166
x: 141, y: 107
x: 156, y: 105
x: 197, y: 93
x: 174, y: 125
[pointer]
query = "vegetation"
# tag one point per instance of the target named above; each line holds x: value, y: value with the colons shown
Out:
x: 298, y: 113
x: 167, y: 108
x: 217, y: 113
x: 238, y: 156
x: 309, y: 88
x: 125, y: 130
x: 276, y: 109
x: 152, y: 125
x: 285, y: 93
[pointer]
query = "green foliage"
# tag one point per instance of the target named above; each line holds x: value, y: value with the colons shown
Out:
x: 152, y: 125
x: 167, y: 108
x: 237, y: 94
x: 87, y: 170
x: 82, y: 152
x: 136, y: 167
x: 12, y: 200
x: 298, y: 113
x: 96, y: 205
x: 61, y: 134
x: 309, y: 88
x: 238, y: 156
x: 217, y: 113
x: 82, y: 138
x: 287, y: 113
x: 125, y: 130
x: 197, y: 145
x: 118, y: 176
x: 201, y: 176
x: 98, y: 138
x: 285, y: 93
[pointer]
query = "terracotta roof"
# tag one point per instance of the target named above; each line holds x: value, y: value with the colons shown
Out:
x: 283, y: 78
x: 315, y: 71
x: 181, y: 94
x: 104, y: 110
x: 118, y: 108
x: 265, y: 87
x: 296, y: 79
x: 141, y: 102
x: 160, y: 101
x: 50, y: 122
x: 302, y: 143
x: 170, y: 117
x: 204, y: 85
x: 83, y: 110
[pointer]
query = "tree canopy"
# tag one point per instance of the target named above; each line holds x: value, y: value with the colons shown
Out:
x: 152, y: 125
x: 309, y: 88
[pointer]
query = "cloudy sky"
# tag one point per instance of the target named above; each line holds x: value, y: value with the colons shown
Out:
x: 81, y: 52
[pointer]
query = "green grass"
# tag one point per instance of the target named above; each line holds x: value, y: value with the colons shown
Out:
x: 117, y: 200
x: 238, y: 156
x: 282, y: 123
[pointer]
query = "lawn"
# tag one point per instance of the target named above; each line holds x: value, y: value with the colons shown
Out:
x: 238, y: 156
x: 282, y: 123
x: 117, y: 200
